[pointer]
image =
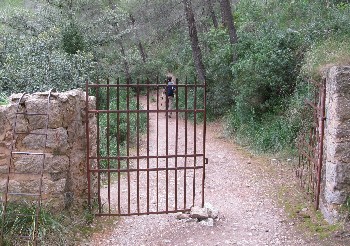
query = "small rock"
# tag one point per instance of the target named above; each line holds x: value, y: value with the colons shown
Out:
x: 181, y: 216
x: 212, y: 212
x: 199, y: 213
x: 207, y: 222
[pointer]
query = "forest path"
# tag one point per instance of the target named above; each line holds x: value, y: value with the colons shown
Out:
x: 244, y: 189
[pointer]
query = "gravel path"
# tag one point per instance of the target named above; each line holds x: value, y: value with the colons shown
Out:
x: 243, y: 189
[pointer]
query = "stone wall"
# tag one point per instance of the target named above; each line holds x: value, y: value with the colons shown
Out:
x: 64, y: 176
x: 336, y: 169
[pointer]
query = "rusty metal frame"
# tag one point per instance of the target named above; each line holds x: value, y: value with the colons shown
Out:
x: 310, y: 145
x: 182, y: 170
x: 11, y: 172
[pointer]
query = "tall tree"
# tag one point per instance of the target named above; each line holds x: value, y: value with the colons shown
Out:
x: 196, y: 51
x: 139, y: 44
x: 122, y: 48
x: 227, y: 21
x: 212, y: 13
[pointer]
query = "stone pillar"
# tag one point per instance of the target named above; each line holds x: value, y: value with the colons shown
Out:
x: 336, y: 185
x: 64, y: 177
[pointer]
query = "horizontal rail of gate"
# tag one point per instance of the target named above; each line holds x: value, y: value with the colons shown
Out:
x: 150, y: 149
x: 310, y: 144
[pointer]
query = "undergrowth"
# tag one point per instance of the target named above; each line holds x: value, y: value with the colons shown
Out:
x: 66, y: 228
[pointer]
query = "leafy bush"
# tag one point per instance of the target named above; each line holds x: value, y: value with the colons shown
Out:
x: 30, y: 63
x: 330, y: 52
x: 280, y: 43
x: 72, y: 39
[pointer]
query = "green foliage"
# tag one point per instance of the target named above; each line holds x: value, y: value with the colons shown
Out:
x: 123, y: 127
x: 37, y: 63
x: 191, y: 99
x: 330, y: 52
x: 218, y: 58
x: 3, y: 99
x: 280, y: 43
x: 72, y: 39
x: 50, y: 229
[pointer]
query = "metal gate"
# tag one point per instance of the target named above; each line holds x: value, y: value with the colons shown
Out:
x: 150, y: 155
x: 310, y: 144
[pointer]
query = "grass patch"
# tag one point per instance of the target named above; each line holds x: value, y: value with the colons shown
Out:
x: 301, y: 211
x: 67, y: 228
x: 20, y: 221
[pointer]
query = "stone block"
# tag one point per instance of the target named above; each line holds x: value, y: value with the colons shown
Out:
x: 339, y: 174
x: 341, y: 108
x: 20, y: 120
x: 30, y: 164
x: 4, y: 169
x: 199, y: 213
x: 54, y: 187
x: 57, y: 140
x: 4, y: 155
x: 34, y: 164
x: 38, y: 104
x: 338, y: 80
x: 57, y: 164
x: 342, y: 153
x: 76, y: 130
x: 334, y: 195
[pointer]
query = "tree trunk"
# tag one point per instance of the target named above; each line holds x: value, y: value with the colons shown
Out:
x: 122, y: 50
x: 139, y: 44
x: 212, y: 13
x: 125, y: 61
x: 196, y: 51
x: 227, y: 21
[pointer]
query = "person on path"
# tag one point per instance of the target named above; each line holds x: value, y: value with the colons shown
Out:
x: 169, y: 92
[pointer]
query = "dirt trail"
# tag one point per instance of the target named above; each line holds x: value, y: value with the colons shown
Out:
x: 243, y: 190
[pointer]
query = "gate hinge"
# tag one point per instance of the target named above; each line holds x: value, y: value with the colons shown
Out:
x: 205, y: 160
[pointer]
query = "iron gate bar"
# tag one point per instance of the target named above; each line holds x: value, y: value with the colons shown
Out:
x: 205, y: 160
x: 310, y: 146
x: 321, y: 129
x: 98, y: 151
x: 138, y: 150
x: 176, y: 144
x: 145, y: 111
x: 144, y: 213
x: 148, y: 164
x: 108, y: 148
x: 145, y: 169
x: 196, y: 85
x: 194, y: 141
x: 118, y: 151
x: 186, y: 116
x: 147, y: 156
x: 166, y: 149
x: 127, y: 143
x: 157, y: 130
x: 87, y: 132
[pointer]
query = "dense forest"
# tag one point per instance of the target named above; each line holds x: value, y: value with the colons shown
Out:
x: 257, y: 57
